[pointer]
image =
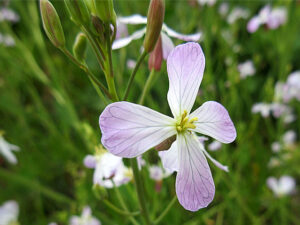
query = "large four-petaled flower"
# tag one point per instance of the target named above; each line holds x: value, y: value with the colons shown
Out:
x: 129, y: 130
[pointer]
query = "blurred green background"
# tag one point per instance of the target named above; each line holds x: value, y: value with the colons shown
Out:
x: 49, y: 108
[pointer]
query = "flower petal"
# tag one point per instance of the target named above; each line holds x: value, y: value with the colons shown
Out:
x: 194, y: 183
x: 128, y: 129
x: 185, y: 70
x: 133, y: 19
x: 217, y: 164
x: 169, y: 158
x: 167, y: 45
x: 122, y: 42
x: 185, y: 37
x: 213, y: 120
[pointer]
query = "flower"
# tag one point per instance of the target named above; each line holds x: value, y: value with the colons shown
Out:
x: 9, y: 212
x: 207, y: 2
x: 246, y: 69
x: 276, y: 147
x: 6, y: 149
x: 8, y: 15
x: 109, y: 169
x: 86, y: 218
x: 263, y: 108
x: 272, y: 18
x: 129, y: 130
x: 157, y: 173
x: 214, y: 146
x: 285, y: 185
x: 236, y: 14
x: 289, y: 138
x: 166, y: 33
x: 7, y: 40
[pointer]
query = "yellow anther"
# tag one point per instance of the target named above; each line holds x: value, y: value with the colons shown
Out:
x: 194, y: 119
x: 184, y: 120
x: 190, y: 125
x: 183, y: 115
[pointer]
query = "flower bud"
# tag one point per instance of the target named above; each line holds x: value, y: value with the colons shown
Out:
x: 155, y: 21
x: 105, y: 10
x: 98, y: 27
x: 166, y: 144
x: 156, y: 56
x: 78, y: 11
x: 51, y: 24
x: 79, y: 47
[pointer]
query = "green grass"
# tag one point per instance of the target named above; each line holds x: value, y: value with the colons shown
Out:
x: 49, y: 108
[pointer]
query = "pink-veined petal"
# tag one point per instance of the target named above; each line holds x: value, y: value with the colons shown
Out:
x: 185, y: 70
x: 128, y: 129
x: 133, y: 19
x: 122, y: 42
x: 214, y: 121
x: 195, y: 187
x: 185, y: 37
x: 217, y: 164
x: 169, y: 158
x: 167, y: 45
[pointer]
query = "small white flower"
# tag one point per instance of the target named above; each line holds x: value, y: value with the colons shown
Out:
x: 263, y: 108
x: 131, y: 63
x: 8, y: 15
x: 276, y: 147
x: 207, y: 2
x: 285, y: 185
x: 289, y: 138
x: 246, y: 69
x: 236, y: 14
x: 9, y: 213
x: 214, y: 146
x: 108, y: 168
x: 157, y: 173
x: 223, y: 9
x: 86, y: 218
x: 6, y: 149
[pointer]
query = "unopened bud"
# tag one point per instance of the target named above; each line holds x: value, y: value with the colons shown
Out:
x: 156, y: 56
x: 105, y: 10
x: 166, y: 144
x: 51, y: 24
x: 155, y: 19
x: 100, y: 192
x: 78, y: 11
x: 98, y: 27
x: 79, y: 47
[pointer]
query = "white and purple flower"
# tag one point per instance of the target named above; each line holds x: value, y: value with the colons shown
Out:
x: 285, y: 185
x: 7, y: 149
x: 246, y: 69
x: 9, y: 213
x: 129, y: 130
x: 109, y: 169
x: 86, y: 218
x: 272, y: 18
x: 166, y: 33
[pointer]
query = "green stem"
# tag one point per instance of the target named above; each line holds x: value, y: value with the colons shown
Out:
x: 120, y: 211
x: 109, y: 68
x: 35, y: 186
x: 164, y: 213
x: 141, y: 58
x: 88, y: 72
x: 140, y: 191
x: 122, y: 202
x: 147, y: 87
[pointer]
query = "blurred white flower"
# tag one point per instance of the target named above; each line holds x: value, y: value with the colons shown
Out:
x: 292, y: 87
x: 108, y: 168
x: 289, y: 138
x: 236, y: 14
x: 285, y: 185
x: 276, y: 147
x: 7, y: 40
x: 86, y: 218
x: 8, y: 15
x: 214, y: 146
x: 223, y: 9
x: 52, y: 223
x: 157, y: 173
x: 207, y: 2
x: 131, y: 63
x: 9, y: 213
x: 272, y: 18
x: 166, y: 33
x: 263, y: 108
x: 246, y: 69
x: 6, y: 149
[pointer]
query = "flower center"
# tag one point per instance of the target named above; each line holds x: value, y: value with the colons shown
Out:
x: 185, y: 123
